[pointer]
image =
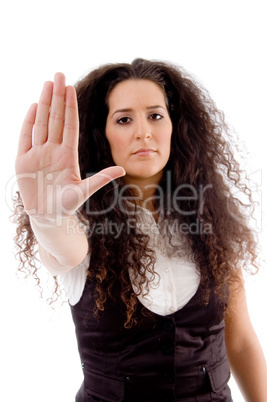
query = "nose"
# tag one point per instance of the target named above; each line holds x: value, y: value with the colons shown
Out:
x: 143, y: 129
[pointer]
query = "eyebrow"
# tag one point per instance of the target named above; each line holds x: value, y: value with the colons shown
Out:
x: 130, y: 110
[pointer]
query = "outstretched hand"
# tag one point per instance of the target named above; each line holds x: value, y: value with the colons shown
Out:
x: 47, y: 164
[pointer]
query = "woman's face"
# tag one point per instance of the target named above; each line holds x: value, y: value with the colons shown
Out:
x: 139, y: 130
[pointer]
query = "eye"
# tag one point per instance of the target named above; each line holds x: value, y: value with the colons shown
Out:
x: 124, y: 120
x: 155, y: 116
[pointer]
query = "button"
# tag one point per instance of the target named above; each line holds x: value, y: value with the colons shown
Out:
x: 202, y: 370
x: 128, y: 378
x: 170, y: 399
x: 168, y: 378
x: 168, y: 325
x: 171, y: 310
x: 167, y: 349
x: 170, y: 288
x: 166, y: 269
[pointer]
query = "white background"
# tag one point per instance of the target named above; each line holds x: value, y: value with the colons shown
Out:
x: 222, y: 43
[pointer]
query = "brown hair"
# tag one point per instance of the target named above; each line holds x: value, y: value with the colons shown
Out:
x: 201, y: 158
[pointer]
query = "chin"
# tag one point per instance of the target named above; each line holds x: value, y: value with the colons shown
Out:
x: 152, y: 175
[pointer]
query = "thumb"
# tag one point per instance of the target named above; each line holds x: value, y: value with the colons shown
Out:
x: 100, y: 179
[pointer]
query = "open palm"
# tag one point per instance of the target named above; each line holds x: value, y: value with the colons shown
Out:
x: 47, y: 165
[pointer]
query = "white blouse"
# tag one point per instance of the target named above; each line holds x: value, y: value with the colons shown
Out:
x: 176, y: 278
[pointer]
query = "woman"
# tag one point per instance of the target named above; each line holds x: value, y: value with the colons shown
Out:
x: 150, y: 249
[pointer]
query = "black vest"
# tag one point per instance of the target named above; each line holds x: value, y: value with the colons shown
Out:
x: 179, y: 357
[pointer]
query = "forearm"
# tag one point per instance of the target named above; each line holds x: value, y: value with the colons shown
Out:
x: 250, y: 371
x: 64, y: 241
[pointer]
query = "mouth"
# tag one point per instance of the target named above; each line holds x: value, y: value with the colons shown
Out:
x: 144, y: 151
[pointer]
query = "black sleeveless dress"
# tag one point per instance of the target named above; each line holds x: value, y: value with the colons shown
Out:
x: 179, y: 357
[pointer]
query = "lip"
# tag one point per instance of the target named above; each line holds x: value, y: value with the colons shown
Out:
x: 144, y: 151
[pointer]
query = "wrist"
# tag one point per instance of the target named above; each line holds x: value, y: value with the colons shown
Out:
x: 51, y: 220
x: 67, y: 224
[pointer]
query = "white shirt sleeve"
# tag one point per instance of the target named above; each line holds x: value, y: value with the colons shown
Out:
x: 74, y: 281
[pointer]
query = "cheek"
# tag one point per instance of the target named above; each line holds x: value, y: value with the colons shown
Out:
x: 112, y: 139
x: 116, y: 144
x: 117, y: 147
x: 165, y: 137
x: 165, y: 144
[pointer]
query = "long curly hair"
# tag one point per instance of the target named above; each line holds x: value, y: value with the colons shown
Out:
x: 198, y: 189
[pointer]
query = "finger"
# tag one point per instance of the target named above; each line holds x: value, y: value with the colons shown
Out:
x: 42, y: 115
x: 25, y: 138
x: 71, y: 123
x: 57, y: 110
x: 100, y: 179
